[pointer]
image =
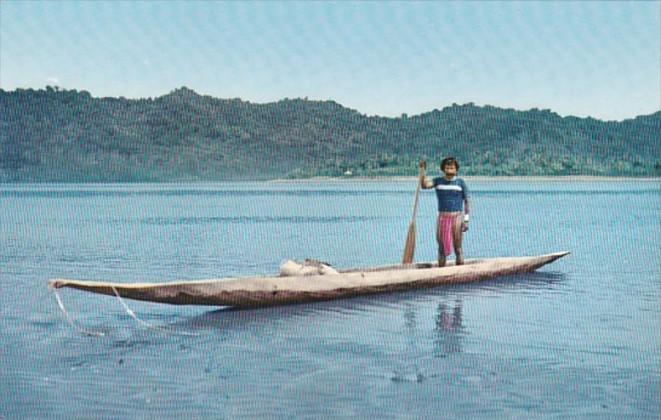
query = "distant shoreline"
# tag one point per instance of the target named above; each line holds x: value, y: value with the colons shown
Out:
x: 376, y: 179
x: 479, y: 178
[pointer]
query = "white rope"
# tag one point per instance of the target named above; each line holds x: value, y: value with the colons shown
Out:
x: 68, y: 318
x: 145, y: 323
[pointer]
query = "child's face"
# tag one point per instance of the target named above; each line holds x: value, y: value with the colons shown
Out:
x: 450, y: 170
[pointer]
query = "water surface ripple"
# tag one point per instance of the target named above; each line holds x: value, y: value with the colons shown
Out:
x: 579, y: 338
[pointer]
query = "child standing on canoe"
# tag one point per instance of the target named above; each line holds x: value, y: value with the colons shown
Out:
x: 452, y: 195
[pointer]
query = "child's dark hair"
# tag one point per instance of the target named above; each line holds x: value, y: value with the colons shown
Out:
x: 449, y: 161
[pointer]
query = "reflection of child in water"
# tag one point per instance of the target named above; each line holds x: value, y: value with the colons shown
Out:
x: 448, y: 329
x: 447, y: 322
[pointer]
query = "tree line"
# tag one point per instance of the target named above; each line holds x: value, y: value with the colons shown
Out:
x: 67, y: 135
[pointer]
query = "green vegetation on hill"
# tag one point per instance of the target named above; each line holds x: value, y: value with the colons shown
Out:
x: 66, y: 135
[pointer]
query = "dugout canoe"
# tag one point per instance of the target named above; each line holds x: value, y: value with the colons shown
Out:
x: 252, y: 292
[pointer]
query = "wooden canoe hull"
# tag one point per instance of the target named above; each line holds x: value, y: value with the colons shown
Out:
x: 251, y: 292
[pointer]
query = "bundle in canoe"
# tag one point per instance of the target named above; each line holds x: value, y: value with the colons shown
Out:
x: 252, y: 292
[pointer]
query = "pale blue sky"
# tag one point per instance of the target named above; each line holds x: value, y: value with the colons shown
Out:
x: 381, y: 58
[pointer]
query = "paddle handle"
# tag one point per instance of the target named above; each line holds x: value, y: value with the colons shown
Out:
x: 417, y: 194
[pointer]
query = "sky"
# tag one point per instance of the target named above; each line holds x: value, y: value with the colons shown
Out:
x: 598, y: 59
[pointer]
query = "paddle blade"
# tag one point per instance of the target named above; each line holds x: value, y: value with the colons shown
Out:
x: 409, y: 248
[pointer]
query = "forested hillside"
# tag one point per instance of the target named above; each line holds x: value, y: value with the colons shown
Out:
x: 67, y: 135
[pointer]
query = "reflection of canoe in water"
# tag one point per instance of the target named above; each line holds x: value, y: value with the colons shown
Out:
x: 268, y: 291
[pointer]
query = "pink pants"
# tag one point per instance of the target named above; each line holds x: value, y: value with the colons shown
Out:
x: 448, y: 232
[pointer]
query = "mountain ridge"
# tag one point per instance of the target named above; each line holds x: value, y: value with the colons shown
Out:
x: 68, y: 135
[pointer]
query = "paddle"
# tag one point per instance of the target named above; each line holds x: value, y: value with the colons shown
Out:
x: 409, y: 247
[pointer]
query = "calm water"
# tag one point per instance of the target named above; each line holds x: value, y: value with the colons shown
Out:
x: 580, y: 337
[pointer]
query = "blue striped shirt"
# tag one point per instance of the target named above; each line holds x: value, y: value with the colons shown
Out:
x: 450, y: 194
